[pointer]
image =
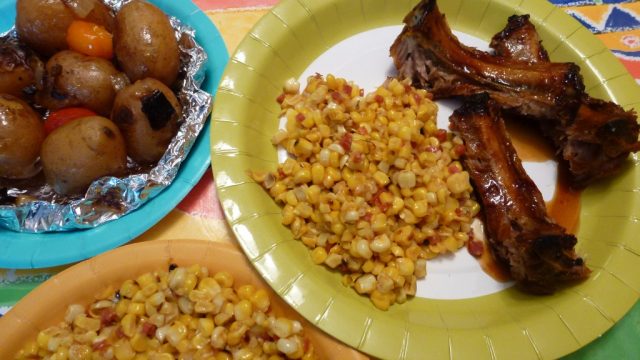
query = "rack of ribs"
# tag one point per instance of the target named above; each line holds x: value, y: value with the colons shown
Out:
x: 592, y: 137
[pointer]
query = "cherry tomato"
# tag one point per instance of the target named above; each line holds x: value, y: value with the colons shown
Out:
x: 60, y: 117
x: 90, y: 39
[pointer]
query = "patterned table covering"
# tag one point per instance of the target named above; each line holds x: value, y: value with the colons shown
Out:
x: 199, y: 216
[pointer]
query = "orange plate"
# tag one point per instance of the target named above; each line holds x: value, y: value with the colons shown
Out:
x: 46, y: 305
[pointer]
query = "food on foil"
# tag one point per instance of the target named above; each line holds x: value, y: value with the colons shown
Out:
x: 79, y: 152
x: 20, y: 69
x: 592, y: 137
x: 116, y: 88
x: 148, y: 114
x: 21, y: 137
x: 538, y: 252
x: 42, y: 24
x: 77, y: 80
x: 145, y: 44
x: 185, y: 313
x: 373, y: 187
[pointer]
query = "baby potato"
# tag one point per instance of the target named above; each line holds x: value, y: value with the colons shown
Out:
x: 20, y: 70
x: 74, y: 79
x: 43, y: 24
x: 81, y: 151
x: 147, y: 113
x: 145, y: 44
x: 21, y: 137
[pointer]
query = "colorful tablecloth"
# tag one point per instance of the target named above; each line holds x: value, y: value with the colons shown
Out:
x: 199, y: 216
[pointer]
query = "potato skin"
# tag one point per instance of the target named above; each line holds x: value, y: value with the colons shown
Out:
x: 147, y: 133
x: 144, y: 43
x: 74, y: 79
x: 21, y: 137
x: 81, y: 151
x: 43, y: 24
x: 20, y: 71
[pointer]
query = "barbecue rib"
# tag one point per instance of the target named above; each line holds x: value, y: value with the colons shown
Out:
x: 427, y: 52
x: 602, y: 135
x: 593, y: 137
x: 538, y: 252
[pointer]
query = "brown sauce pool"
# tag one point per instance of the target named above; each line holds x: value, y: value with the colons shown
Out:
x: 563, y: 208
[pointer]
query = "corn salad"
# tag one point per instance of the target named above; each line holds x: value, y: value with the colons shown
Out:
x: 186, y: 313
x: 373, y: 188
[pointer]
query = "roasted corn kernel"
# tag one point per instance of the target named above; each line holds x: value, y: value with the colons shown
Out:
x: 384, y: 179
x: 196, y: 317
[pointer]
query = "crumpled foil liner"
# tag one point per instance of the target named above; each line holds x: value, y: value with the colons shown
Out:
x: 110, y: 198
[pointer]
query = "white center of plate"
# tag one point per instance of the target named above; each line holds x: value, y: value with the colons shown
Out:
x: 364, y: 59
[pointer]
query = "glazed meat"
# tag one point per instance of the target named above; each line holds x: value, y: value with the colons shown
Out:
x: 538, y: 253
x: 519, y: 41
x: 428, y: 53
x: 602, y: 135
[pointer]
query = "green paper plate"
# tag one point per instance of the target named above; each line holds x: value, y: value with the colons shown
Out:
x: 503, y: 325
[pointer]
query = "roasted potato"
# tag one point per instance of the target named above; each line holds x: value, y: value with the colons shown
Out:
x: 20, y: 70
x: 145, y: 44
x: 73, y: 79
x: 21, y: 137
x: 79, y: 152
x: 147, y: 113
x: 42, y: 24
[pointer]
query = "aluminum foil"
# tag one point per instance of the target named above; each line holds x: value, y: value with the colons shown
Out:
x: 110, y: 198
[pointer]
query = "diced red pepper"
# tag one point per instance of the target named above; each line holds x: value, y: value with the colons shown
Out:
x: 441, y: 135
x: 108, y: 317
x: 337, y: 97
x: 475, y: 247
x: 345, y: 142
x: 149, y: 329
x: 453, y: 169
x: 377, y: 202
x: 459, y: 149
x: 347, y: 89
x: 367, y: 217
x: 300, y: 117
x: 379, y: 99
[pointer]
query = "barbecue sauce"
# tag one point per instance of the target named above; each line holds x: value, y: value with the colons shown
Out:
x: 564, y: 207
x: 492, y: 267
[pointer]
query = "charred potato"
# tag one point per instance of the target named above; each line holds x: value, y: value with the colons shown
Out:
x: 73, y: 79
x: 79, y: 152
x: 20, y: 70
x: 43, y: 24
x: 21, y: 137
x: 145, y: 44
x: 147, y: 113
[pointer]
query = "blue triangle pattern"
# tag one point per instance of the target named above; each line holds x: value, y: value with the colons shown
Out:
x: 587, y: 2
x: 584, y: 23
x: 572, y: 2
x: 620, y: 20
